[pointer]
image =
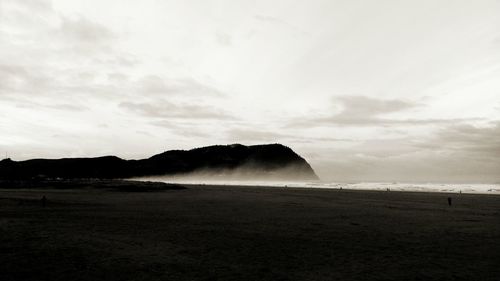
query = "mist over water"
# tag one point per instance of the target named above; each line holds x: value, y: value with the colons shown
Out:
x: 244, y: 174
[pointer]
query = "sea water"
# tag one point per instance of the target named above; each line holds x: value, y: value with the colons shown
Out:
x: 479, y: 188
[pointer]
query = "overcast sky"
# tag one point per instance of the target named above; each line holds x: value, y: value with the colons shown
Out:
x: 364, y: 90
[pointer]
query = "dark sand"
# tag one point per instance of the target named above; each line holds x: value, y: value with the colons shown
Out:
x: 247, y: 233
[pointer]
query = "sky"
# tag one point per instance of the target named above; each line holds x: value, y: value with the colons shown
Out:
x: 363, y: 90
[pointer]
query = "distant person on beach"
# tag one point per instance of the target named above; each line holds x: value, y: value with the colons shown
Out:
x: 449, y: 201
x: 44, y: 201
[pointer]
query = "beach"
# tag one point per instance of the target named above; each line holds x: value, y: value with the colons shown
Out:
x: 208, y: 232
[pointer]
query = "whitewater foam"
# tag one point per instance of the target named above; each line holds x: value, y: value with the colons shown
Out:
x: 380, y: 186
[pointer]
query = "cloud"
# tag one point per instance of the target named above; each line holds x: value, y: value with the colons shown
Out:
x: 35, y: 104
x: 83, y: 31
x: 482, y: 142
x: 17, y: 79
x: 223, y: 39
x: 34, y: 5
x: 278, y: 21
x: 39, y: 86
x: 118, y: 60
x: 86, y: 39
x: 18, y: 14
x: 155, y: 85
x: 361, y: 107
x: 362, y: 111
x: 10, y: 77
x: 68, y: 107
x: 32, y: 84
x: 477, y: 142
x: 247, y: 134
x: 461, y: 152
x: 166, y: 109
x: 40, y: 30
x: 187, y: 128
x: 45, y: 48
x: 67, y: 68
x: 267, y: 19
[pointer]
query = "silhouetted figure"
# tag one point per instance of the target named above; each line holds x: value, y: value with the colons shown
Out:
x: 44, y: 201
x: 449, y: 201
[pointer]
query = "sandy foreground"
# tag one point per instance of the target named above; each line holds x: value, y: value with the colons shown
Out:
x: 247, y: 233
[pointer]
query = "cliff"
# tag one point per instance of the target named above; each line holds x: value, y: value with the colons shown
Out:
x: 271, y: 161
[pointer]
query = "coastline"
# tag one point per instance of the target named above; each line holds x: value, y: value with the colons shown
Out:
x: 449, y: 188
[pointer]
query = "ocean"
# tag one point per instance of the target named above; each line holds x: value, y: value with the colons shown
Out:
x: 475, y: 188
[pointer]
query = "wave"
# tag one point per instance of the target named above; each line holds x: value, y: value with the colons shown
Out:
x: 479, y: 188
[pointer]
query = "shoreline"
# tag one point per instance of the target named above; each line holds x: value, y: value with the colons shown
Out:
x: 494, y: 189
x: 152, y: 184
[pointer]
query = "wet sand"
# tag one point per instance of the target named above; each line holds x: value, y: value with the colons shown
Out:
x: 247, y: 233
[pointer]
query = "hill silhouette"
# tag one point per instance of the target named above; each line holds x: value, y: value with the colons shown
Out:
x: 271, y: 161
